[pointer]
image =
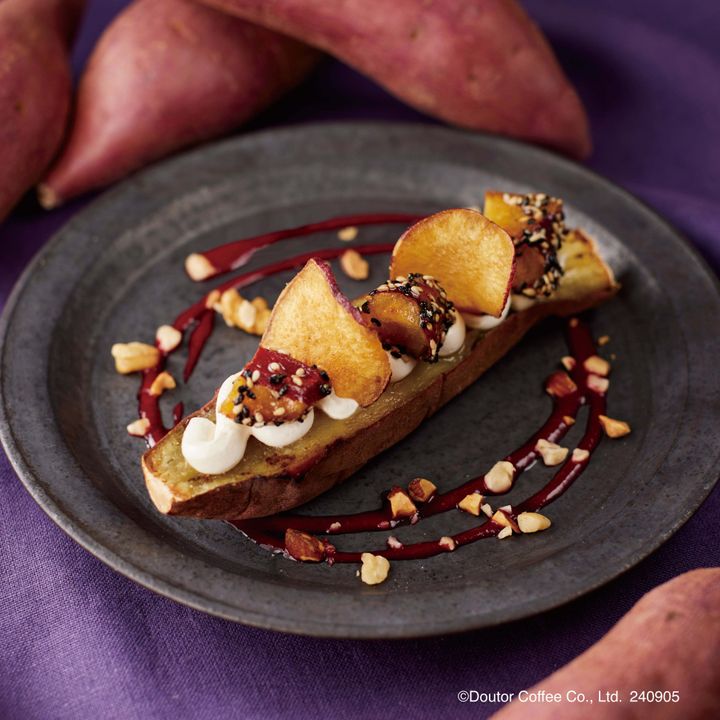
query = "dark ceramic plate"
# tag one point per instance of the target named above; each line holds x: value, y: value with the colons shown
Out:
x: 115, y: 273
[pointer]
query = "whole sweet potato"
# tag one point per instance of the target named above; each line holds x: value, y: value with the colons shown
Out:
x: 481, y: 64
x: 35, y: 87
x: 670, y: 641
x: 168, y: 74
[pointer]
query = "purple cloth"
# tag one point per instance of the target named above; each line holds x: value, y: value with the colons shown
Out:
x: 79, y: 641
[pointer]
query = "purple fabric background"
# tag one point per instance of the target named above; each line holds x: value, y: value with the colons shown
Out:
x: 79, y: 641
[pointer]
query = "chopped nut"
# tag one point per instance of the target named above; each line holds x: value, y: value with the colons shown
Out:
x: 569, y: 420
x: 551, y: 453
x: 596, y: 364
x: 447, y: 543
x: 500, y: 477
x: 568, y: 362
x: 487, y: 509
x: 394, y: 543
x: 574, y: 322
x: 614, y: 428
x: 164, y: 381
x: 580, y: 455
x: 134, y: 356
x: 603, y: 340
x: 303, y: 546
x: 471, y: 503
x: 198, y: 267
x: 560, y: 384
x: 167, y: 338
x: 502, y: 517
x: 354, y: 265
x: 530, y: 522
x: 347, y: 234
x: 401, y: 506
x: 375, y: 568
x: 250, y: 316
x: 139, y: 428
x: 598, y: 384
x: 334, y: 527
x: 505, y: 532
x: 212, y: 299
x: 421, y: 490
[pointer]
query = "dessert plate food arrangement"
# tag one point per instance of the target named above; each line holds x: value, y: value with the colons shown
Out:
x: 367, y: 276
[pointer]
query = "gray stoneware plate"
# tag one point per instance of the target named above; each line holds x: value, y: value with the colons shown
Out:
x: 114, y: 273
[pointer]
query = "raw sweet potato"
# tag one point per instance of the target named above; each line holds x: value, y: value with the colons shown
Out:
x: 481, y: 64
x: 35, y: 87
x: 168, y: 74
x: 669, y: 642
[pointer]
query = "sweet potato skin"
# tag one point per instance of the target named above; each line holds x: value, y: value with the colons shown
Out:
x: 670, y: 640
x: 35, y: 89
x: 480, y: 64
x: 165, y: 75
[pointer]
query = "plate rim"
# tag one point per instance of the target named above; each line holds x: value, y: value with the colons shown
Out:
x: 305, y: 626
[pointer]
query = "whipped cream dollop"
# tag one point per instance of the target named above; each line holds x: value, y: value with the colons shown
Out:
x: 401, y: 366
x: 213, y: 448
x: 487, y: 322
x: 454, y: 337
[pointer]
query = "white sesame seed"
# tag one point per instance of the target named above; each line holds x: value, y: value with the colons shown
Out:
x: 256, y: 375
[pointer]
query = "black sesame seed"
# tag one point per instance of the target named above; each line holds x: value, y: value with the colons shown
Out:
x: 375, y: 321
x: 277, y: 378
x: 251, y: 394
x: 365, y: 307
x: 324, y: 375
x: 283, y: 390
x: 324, y: 389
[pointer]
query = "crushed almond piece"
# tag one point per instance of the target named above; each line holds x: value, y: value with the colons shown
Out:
x: 134, y: 356
x: 139, y: 428
x: 198, y: 267
x: 164, y: 381
x: 334, y: 527
x: 614, y: 428
x: 348, y: 233
x: 212, y: 299
x: 401, y: 506
x: 303, y: 546
x: 568, y: 362
x: 598, y: 384
x: 603, y: 340
x: 551, y: 453
x: 500, y: 477
x: 487, y: 509
x: 354, y: 265
x: 471, y: 503
x: 421, y: 489
x: 560, y: 384
x: 580, y: 455
x: 530, y: 522
x: 447, y: 543
x: 167, y: 338
x: 375, y: 568
x: 505, y: 532
x: 569, y: 420
x: 394, y: 543
x: 596, y: 364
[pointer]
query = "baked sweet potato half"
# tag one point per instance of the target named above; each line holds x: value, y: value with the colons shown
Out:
x: 270, y: 480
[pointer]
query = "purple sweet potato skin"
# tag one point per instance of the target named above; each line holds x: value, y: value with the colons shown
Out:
x: 670, y: 640
x: 35, y: 89
x: 165, y: 75
x: 480, y: 64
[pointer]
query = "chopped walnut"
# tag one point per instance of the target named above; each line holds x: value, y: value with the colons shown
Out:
x: 551, y: 453
x: 500, y: 476
x: 167, y: 338
x: 568, y: 362
x: 487, y: 509
x: 164, y: 381
x: 530, y: 522
x: 421, y: 490
x: 447, y: 543
x: 347, y: 234
x: 580, y: 455
x: 560, y: 384
x: 614, y: 428
x: 471, y: 503
x: 354, y: 265
x: 134, y: 356
x: 375, y: 568
x: 569, y: 420
x: 596, y: 364
x: 139, y: 428
x: 198, y: 267
x: 303, y: 546
x: 393, y: 543
x: 250, y: 316
x: 598, y: 384
x: 401, y: 506
x: 603, y: 340
x: 505, y: 532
